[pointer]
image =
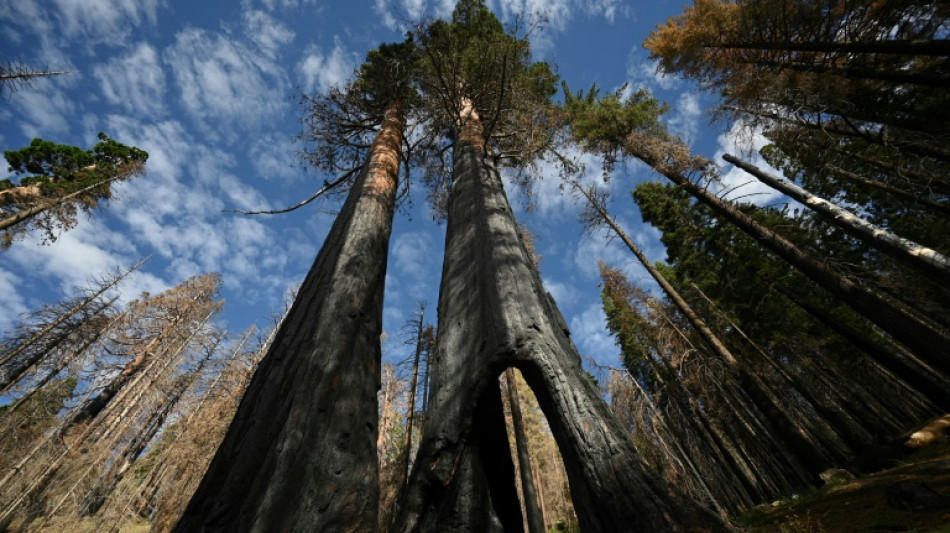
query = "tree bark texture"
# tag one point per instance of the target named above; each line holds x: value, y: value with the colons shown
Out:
x: 301, y: 452
x: 494, y: 313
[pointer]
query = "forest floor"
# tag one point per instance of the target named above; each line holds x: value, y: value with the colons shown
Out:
x: 911, y: 497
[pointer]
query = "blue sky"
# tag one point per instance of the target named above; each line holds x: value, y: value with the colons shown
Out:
x: 208, y: 89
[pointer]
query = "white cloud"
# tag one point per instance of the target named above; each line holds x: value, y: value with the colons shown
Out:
x: 95, y: 21
x: 642, y: 72
x: 274, y: 158
x: 22, y: 16
x: 284, y: 4
x: 175, y: 210
x: 590, y: 334
x: 87, y: 251
x: 412, y: 254
x: 136, y: 81
x: 745, y: 142
x: 220, y: 79
x: 267, y: 32
x: 12, y: 302
x: 598, y: 245
x: 43, y: 113
x: 400, y: 14
x: 685, y: 119
x: 565, y: 294
x: 322, y: 71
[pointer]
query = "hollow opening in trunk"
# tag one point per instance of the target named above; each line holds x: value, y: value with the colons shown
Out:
x: 541, y: 479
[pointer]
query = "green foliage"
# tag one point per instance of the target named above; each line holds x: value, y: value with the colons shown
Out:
x: 57, y: 180
x: 385, y: 77
x: 61, y: 169
x: 628, y: 326
x: 734, y: 271
x: 603, y: 123
x: 472, y: 57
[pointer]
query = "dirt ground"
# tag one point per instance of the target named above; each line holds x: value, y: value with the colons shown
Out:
x: 913, y: 496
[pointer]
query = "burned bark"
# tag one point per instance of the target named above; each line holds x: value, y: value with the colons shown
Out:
x: 494, y: 313
x: 301, y: 452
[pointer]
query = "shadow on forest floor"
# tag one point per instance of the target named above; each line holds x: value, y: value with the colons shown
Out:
x: 913, y: 496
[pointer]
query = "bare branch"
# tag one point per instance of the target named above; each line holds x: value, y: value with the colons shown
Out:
x: 327, y: 185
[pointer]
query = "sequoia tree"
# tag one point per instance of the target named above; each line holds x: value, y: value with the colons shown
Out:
x: 494, y: 313
x: 301, y: 452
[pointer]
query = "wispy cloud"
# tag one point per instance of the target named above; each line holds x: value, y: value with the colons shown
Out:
x: 43, y: 113
x: 641, y: 72
x: 224, y: 85
x: 400, y: 14
x: 590, y: 334
x: 283, y: 4
x: 90, y: 249
x: 274, y: 157
x: 412, y: 254
x: 266, y: 32
x: 745, y: 141
x: 686, y: 115
x: 175, y: 210
x: 135, y: 82
x: 320, y: 71
x: 12, y: 302
x: 112, y: 22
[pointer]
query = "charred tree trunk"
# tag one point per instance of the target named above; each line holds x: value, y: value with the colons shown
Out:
x: 301, y: 452
x: 494, y: 313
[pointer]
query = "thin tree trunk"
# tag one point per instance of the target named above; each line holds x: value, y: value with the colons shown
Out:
x: 879, y: 138
x: 922, y: 47
x: 301, y: 452
x: 494, y: 313
x: 921, y: 337
x: 912, y: 199
x: 753, y: 383
x: 410, y: 412
x: 93, y: 407
x: 533, y: 514
x: 856, y: 436
x: 709, y: 338
x: 857, y: 73
x: 5, y: 358
x: 929, y: 381
x: 927, y: 260
x: 26, y: 214
x: 114, y: 472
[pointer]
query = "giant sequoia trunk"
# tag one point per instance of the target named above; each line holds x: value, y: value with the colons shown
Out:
x: 301, y: 452
x: 494, y: 313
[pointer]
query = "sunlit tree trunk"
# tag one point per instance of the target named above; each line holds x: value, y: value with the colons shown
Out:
x: 927, y: 260
x: 301, y: 452
x: 532, y: 509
